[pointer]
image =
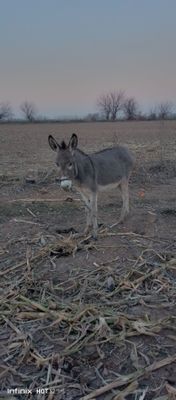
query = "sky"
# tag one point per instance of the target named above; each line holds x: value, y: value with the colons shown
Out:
x: 63, y: 54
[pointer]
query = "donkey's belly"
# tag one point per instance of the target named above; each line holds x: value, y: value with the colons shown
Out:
x: 109, y: 186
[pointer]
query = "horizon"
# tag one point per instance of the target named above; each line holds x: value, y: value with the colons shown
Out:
x: 63, y: 55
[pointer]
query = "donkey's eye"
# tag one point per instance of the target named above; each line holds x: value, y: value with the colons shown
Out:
x: 70, y: 165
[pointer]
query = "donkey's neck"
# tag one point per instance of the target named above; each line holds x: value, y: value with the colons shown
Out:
x: 86, y: 175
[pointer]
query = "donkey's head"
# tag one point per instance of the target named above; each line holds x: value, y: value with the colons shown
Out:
x: 65, y: 158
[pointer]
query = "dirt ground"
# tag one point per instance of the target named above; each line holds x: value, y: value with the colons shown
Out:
x: 84, y: 319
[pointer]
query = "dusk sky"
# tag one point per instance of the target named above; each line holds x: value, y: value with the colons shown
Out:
x: 62, y: 54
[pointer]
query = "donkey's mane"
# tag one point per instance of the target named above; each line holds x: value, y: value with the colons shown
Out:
x: 82, y: 152
x: 63, y: 145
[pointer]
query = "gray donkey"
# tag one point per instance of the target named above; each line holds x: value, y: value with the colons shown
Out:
x: 94, y: 172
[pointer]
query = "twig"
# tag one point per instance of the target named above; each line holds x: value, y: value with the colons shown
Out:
x: 24, y: 221
x: 30, y: 212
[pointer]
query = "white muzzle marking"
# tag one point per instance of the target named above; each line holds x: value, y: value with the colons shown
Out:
x: 65, y: 183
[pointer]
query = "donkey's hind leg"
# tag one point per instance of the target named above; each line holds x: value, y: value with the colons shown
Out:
x: 125, y: 199
x: 94, y: 214
x: 124, y: 188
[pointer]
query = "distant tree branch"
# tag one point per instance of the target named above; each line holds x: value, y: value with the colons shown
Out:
x: 110, y: 103
x: 130, y: 108
x: 165, y: 110
x: 117, y: 99
x: 104, y: 105
x: 5, y: 111
x: 29, y: 110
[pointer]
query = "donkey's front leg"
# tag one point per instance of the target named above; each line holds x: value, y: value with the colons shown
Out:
x: 90, y: 201
x: 87, y: 203
x: 88, y: 219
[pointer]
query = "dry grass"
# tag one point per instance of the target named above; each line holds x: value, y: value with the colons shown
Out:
x: 80, y: 314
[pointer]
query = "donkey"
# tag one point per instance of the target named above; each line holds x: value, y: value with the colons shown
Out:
x: 91, y: 173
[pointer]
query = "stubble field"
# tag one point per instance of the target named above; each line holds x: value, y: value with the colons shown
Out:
x: 81, y: 319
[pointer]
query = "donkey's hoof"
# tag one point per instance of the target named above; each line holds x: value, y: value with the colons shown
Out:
x: 94, y: 236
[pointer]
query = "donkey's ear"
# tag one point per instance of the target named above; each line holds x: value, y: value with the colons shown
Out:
x: 73, y: 141
x: 52, y: 142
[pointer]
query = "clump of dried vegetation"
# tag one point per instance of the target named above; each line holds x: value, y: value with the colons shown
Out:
x: 82, y: 337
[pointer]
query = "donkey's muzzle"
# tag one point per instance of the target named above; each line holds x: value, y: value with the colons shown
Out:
x: 65, y: 183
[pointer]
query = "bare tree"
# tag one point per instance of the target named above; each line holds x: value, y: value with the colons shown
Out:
x: 153, y: 114
x: 5, y: 111
x: 110, y: 103
x: 130, y: 108
x: 104, y: 105
x: 29, y: 110
x: 117, y: 99
x: 165, y: 110
x: 92, y: 117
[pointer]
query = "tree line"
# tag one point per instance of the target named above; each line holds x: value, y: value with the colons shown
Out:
x: 28, y: 111
x: 115, y: 105
x: 111, y: 106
